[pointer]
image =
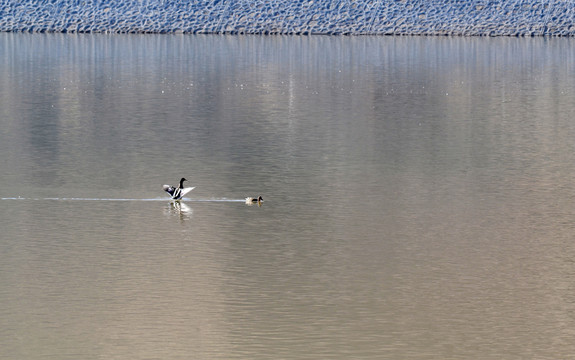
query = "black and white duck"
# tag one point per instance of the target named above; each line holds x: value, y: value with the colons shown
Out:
x: 179, y: 192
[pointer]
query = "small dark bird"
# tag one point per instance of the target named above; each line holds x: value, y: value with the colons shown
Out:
x: 179, y: 192
x: 250, y: 200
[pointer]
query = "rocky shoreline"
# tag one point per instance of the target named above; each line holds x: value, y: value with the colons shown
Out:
x: 338, y: 17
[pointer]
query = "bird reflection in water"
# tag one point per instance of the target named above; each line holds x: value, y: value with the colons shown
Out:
x: 179, y: 208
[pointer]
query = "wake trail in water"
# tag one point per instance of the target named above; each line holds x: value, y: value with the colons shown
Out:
x: 116, y: 199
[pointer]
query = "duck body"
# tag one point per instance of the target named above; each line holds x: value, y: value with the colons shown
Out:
x: 177, y: 192
x: 250, y: 200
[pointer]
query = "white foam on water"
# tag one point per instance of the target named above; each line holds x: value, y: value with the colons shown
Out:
x: 116, y: 199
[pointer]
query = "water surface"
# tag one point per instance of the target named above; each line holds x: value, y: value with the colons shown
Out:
x: 418, y: 197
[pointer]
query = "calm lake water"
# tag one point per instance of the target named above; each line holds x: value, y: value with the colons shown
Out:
x: 418, y: 197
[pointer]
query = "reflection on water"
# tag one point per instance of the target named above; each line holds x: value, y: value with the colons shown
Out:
x: 180, y: 209
x: 418, y: 197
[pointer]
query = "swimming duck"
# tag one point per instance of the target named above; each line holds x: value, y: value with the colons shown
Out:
x: 250, y: 200
x: 179, y: 192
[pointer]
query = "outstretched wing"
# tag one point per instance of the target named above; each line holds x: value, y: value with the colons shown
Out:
x: 169, y: 189
x: 177, y: 193
x: 186, y: 190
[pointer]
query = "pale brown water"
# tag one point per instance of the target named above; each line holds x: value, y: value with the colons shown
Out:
x: 418, y: 197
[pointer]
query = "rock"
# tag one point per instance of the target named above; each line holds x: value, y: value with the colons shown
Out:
x: 388, y: 17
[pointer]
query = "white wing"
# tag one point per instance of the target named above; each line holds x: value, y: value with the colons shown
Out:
x: 187, y: 190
